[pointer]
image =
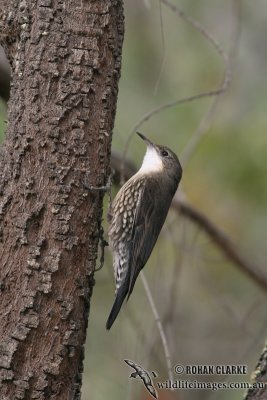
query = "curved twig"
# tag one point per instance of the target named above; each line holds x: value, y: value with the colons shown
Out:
x: 228, y: 62
x: 215, y: 92
x: 221, y: 240
x: 159, y: 325
x: 163, y: 58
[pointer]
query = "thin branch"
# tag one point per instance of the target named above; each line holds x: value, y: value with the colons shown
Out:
x: 219, y: 238
x: 198, y: 27
x: 177, y: 269
x: 160, y: 108
x: 163, y: 58
x: 199, y: 132
x: 167, y: 318
x: 215, y: 92
x: 159, y: 325
x: 229, y: 62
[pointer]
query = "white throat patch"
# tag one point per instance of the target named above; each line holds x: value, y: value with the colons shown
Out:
x: 152, y: 162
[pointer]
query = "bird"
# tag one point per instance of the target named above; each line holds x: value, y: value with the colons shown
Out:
x: 137, y: 215
x: 141, y: 373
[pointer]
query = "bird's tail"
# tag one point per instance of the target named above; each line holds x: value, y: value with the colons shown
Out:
x: 120, y: 296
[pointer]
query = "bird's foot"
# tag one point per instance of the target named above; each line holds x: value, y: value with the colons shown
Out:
x: 102, y: 243
x: 104, y: 188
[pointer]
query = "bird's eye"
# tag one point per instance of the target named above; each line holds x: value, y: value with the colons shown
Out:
x: 164, y: 153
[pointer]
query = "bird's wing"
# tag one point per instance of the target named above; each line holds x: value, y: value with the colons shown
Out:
x: 152, y: 390
x: 149, y: 385
x: 133, y: 365
x: 150, y: 215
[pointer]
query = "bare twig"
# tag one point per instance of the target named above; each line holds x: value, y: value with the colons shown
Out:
x: 177, y: 269
x: 159, y: 325
x: 215, y: 92
x: 163, y: 58
x: 158, y: 109
x: 228, y: 62
x: 214, y: 232
x: 221, y: 240
x: 198, y: 27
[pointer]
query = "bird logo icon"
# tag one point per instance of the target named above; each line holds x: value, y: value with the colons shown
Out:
x: 141, y: 373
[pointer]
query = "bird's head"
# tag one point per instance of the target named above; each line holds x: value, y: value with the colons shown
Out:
x: 160, y: 159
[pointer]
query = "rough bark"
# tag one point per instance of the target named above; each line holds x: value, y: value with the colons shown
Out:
x: 65, y: 58
x: 259, y: 389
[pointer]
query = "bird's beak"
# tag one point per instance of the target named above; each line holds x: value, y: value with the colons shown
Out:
x: 148, y: 142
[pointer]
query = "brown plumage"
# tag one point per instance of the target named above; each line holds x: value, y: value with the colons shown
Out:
x: 138, y: 213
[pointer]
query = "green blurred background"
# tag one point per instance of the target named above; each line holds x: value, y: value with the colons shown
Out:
x: 212, y: 313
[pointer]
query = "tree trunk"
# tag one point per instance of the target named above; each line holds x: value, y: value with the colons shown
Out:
x: 259, y: 389
x: 65, y: 58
